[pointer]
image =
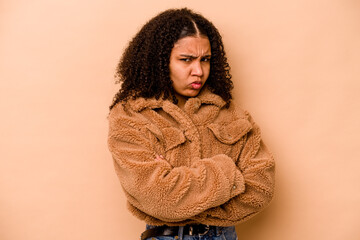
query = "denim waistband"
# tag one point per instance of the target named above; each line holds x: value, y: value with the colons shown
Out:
x: 214, y: 231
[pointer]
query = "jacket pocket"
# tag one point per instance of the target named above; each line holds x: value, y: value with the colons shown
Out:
x: 171, y: 137
x: 232, y: 132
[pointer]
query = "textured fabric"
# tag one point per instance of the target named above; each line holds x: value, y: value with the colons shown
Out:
x: 221, y: 233
x: 216, y: 169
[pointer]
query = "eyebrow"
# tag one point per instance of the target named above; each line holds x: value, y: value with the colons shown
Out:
x: 193, y: 56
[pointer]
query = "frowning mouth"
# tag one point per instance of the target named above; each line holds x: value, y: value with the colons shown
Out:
x: 196, y: 85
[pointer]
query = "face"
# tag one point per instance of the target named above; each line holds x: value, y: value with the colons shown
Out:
x: 190, y: 65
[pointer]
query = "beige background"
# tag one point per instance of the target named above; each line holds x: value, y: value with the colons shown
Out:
x: 296, y: 68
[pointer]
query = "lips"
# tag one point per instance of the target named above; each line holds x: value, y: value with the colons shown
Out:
x: 196, y: 85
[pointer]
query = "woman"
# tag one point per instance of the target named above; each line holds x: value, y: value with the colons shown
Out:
x: 190, y: 164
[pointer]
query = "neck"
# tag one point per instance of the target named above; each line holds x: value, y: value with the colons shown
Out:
x: 181, y: 100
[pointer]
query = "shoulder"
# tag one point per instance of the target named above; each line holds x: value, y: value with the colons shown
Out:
x: 232, y: 113
x: 118, y: 112
x: 240, y: 112
x: 123, y: 115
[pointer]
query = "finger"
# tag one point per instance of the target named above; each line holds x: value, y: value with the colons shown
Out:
x: 159, y: 157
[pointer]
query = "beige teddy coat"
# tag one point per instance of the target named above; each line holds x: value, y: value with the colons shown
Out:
x: 216, y: 169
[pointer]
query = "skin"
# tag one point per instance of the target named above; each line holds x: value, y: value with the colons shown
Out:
x: 189, y: 66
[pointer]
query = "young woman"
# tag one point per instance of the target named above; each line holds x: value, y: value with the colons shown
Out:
x: 191, y: 164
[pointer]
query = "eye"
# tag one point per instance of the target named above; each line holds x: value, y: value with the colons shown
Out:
x: 185, y: 59
x: 205, y: 59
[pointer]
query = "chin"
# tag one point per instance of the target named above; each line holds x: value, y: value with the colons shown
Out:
x: 193, y: 94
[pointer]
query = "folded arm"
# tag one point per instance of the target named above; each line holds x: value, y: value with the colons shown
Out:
x: 258, y: 168
x: 165, y: 192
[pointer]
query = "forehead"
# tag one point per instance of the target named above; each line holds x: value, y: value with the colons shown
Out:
x: 193, y: 44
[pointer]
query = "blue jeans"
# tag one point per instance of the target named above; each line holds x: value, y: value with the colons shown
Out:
x: 221, y: 233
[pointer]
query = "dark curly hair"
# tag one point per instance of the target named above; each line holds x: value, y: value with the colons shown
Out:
x: 144, y: 67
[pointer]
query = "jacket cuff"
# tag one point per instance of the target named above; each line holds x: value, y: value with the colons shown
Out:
x: 238, y: 186
x: 234, y: 175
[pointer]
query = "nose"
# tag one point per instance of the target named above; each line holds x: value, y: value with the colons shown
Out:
x: 197, y: 69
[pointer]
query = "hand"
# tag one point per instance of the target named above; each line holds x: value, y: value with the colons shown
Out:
x: 159, y: 157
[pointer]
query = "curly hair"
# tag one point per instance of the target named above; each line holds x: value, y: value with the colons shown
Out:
x: 143, y: 70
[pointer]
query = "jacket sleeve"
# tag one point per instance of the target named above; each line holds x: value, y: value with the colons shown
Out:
x: 258, y: 168
x: 153, y: 186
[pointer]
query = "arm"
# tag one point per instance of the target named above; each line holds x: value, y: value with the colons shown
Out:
x: 155, y: 187
x: 258, y: 168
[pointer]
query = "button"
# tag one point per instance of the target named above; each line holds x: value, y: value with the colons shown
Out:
x: 234, y: 187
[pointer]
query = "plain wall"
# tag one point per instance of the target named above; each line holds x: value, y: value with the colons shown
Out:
x: 295, y: 66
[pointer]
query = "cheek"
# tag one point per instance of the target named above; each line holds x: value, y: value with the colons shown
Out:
x: 179, y: 73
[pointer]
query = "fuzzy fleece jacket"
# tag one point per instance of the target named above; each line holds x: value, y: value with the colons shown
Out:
x: 216, y: 169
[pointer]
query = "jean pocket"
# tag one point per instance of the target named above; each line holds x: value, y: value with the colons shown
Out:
x: 229, y: 233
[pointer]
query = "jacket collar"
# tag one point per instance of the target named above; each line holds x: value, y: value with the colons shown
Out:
x: 204, y: 97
